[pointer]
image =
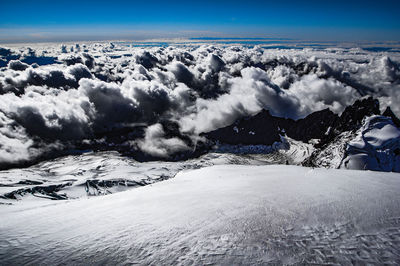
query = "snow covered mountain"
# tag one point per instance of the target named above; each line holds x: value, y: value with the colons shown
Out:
x: 101, y: 173
x: 375, y: 147
x: 121, y: 153
x: 195, y: 106
x: 337, y: 141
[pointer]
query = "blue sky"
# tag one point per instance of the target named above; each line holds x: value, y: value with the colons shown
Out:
x: 318, y: 20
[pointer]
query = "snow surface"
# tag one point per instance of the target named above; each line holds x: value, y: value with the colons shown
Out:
x: 101, y: 173
x: 228, y: 214
x: 332, y: 155
x: 221, y: 214
x: 287, y: 151
x: 374, y: 146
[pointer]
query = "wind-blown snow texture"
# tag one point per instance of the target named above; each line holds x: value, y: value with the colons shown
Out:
x: 101, y: 173
x: 78, y: 110
x: 157, y: 100
x: 230, y: 215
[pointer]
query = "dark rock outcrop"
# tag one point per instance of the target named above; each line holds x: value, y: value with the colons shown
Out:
x: 353, y: 115
x: 314, y: 126
x: 389, y: 113
x: 351, y: 119
x: 265, y: 129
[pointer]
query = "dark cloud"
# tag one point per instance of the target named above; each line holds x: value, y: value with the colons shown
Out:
x: 36, y: 125
x: 111, y: 106
x: 58, y: 97
x: 182, y: 73
x: 51, y: 76
x: 17, y: 65
x: 5, y: 52
x: 80, y: 71
x: 146, y: 59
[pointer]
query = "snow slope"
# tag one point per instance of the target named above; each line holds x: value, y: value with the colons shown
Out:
x: 331, y: 156
x: 375, y: 147
x: 228, y: 214
x: 100, y: 173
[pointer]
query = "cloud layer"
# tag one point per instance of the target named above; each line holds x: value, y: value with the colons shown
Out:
x: 56, y: 96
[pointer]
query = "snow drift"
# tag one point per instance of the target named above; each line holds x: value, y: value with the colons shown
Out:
x: 217, y: 215
x: 375, y: 147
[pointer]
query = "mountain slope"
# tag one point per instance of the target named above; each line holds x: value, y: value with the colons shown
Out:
x: 217, y: 215
x: 375, y: 147
x: 332, y: 137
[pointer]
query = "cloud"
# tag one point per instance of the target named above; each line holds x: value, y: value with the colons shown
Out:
x: 48, y: 117
x: 110, y: 106
x: 248, y: 94
x: 316, y: 94
x: 182, y: 73
x: 17, y: 65
x: 54, y: 76
x: 156, y: 144
x: 14, y: 142
x: 59, y: 96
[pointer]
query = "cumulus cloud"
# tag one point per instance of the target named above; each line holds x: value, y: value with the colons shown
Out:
x: 182, y: 73
x: 17, y: 65
x: 14, y: 142
x: 248, y: 94
x: 53, y: 76
x: 58, y: 96
x: 156, y: 144
x: 316, y: 94
x: 47, y: 116
x: 110, y: 106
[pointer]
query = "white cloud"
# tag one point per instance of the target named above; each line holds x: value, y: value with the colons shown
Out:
x: 316, y: 94
x: 98, y: 86
x: 155, y: 143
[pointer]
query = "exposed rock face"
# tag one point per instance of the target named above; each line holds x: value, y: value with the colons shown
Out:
x: 337, y: 135
x: 333, y: 143
x: 331, y: 155
x: 266, y: 129
x: 352, y: 117
x: 388, y: 113
x: 314, y: 126
x: 262, y: 128
x: 353, y: 141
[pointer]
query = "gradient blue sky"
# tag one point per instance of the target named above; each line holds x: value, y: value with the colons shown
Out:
x: 117, y: 19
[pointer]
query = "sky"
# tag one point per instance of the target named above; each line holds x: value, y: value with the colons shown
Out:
x: 44, y: 20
